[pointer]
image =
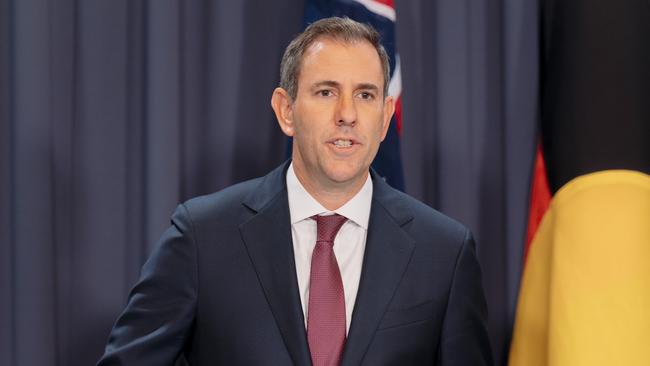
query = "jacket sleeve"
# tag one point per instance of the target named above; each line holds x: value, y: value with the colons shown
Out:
x: 159, y: 315
x: 464, y: 339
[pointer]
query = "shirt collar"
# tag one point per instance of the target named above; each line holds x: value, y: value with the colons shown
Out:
x: 302, y: 205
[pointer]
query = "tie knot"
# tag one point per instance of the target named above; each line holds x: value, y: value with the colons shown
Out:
x: 328, y: 226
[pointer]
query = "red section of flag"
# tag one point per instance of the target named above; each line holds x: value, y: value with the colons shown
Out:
x: 386, y: 2
x: 398, y: 115
x: 540, y: 198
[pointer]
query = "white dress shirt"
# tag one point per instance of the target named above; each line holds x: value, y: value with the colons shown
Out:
x: 349, y: 243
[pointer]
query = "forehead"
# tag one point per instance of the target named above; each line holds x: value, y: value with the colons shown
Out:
x: 329, y: 59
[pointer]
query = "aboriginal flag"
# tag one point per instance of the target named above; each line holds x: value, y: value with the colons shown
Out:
x: 381, y: 15
x: 585, y: 290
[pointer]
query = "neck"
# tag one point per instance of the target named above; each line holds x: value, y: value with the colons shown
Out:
x: 331, y: 196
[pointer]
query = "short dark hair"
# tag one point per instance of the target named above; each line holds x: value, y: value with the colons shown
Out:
x: 335, y: 28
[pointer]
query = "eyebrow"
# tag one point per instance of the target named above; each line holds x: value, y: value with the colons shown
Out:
x: 336, y: 84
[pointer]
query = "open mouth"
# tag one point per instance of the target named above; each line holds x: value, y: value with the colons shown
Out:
x: 344, y: 147
x: 343, y: 143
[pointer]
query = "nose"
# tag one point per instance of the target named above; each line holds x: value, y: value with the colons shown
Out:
x: 346, y: 112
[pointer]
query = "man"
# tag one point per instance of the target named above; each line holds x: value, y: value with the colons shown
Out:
x: 319, y: 262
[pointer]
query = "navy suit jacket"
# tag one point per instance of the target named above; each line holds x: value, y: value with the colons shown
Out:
x: 221, y: 287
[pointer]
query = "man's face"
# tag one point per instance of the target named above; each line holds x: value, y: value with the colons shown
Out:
x: 339, y: 115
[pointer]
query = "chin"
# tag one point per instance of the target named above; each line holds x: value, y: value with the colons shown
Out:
x: 344, y: 174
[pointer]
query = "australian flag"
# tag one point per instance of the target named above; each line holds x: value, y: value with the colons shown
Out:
x: 381, y: 15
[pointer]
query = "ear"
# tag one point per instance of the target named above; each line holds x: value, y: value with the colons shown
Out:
x: 389, y: 109
x: 282, y: 105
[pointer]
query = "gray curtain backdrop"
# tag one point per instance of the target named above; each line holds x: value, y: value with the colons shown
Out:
x: 112, y: 112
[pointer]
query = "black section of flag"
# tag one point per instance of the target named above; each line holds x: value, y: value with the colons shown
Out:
x: 596, y: 87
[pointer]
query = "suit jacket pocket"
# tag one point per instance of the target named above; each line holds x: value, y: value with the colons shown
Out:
x: 413, y: 314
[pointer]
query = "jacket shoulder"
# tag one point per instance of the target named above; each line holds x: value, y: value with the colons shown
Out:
x: 226, y: 204
x: 428, y: 222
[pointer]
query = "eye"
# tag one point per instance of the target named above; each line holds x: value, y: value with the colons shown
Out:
x: 366, y: 95
x: 325, y: 93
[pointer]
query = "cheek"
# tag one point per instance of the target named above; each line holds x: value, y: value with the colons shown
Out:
x: 307, y: 139
x: 380, y: 130
x: 310, y: 131
x: 306, y: 135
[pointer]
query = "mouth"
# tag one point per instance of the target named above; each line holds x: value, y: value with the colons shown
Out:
x: 343, y: 143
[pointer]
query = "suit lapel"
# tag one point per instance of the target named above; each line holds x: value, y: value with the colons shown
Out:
x: 388, y: 252
x: 267, y: 237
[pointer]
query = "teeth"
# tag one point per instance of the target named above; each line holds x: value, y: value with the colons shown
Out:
x: 343, y: 143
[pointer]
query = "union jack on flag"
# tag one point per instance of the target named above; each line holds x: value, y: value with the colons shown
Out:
x: 381, y: 15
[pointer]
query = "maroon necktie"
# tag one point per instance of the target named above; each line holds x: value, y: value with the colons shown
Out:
x: 326, y: 314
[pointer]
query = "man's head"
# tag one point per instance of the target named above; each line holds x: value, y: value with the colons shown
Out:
x: 339, y: 112
x: 344, y: 30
